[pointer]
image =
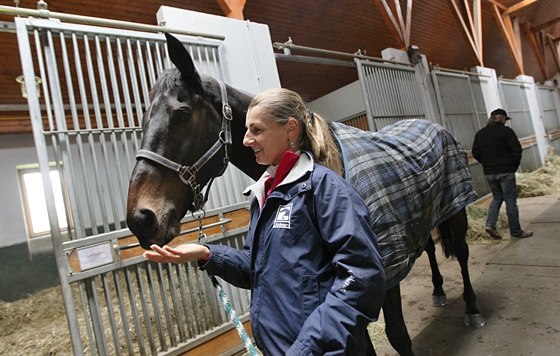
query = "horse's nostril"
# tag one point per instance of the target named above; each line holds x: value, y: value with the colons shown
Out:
x: 145, y: 218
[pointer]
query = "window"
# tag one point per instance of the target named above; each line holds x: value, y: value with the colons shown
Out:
x: 35, y: 203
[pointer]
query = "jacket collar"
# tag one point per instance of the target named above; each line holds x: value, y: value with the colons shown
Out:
x: 303, y: 165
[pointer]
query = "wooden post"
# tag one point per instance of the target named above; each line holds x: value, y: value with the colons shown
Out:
x: 232, y: 8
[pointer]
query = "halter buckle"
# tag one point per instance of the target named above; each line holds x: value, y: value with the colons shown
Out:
x: 226, y: 112
x: 182, y: 170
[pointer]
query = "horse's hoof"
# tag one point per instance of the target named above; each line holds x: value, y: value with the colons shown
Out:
x: 439, y: 300
x: 474, y: 320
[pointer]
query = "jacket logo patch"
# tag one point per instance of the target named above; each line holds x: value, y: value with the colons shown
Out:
x: 282, y: 220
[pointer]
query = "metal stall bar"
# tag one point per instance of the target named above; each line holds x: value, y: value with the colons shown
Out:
x: 457, y: 102
x: 365, y: 84
x: 290, y: 46
x: 156, y: 306
x: 92, y: 140
x: 111, y: 314
x: 550, y: 116
x: 130, y: 115
x: 167, y: 310
x: 391, y: 92
x: 18, y: 11
x: 40, y: 140
x: 80, y: 227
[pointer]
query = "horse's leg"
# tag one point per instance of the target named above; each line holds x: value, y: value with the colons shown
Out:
x: 395, y: 328
x: 456, y: 227
x: 438, y: 295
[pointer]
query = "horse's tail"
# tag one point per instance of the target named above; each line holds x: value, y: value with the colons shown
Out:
x: 453, y: 232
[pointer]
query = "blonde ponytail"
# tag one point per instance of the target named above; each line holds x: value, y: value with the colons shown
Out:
x: 321, y: 142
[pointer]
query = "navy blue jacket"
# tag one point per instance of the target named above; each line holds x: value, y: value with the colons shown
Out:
x: 497, y: 147
x: 312, y: 263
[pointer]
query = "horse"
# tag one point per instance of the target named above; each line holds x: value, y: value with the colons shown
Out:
x: 194, y: 128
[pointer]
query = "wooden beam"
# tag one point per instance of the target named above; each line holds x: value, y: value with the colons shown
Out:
x: 555, y: 48
x: 401, y: 22
x: 506, y: 28
x: 478, y: 28
x: 516, y: 27
x: 518, y: 6
x: 408, y: 21
x: 387, y: 14
x: 498, y: 4
x: 232, y: 8
x: 469, y: 31
x: 539, y: 50
x: 546, y: 24
x: 475, y: 28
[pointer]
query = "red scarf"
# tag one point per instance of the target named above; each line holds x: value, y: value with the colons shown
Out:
x: 288, y: 160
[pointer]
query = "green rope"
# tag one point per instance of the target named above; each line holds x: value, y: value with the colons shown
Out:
x: 251, y: 349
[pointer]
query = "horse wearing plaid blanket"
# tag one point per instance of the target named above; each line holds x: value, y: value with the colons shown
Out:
x: 413, y: 176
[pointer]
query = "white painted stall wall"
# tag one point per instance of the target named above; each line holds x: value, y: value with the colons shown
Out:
x: 536, y: 114
x: 249, y: 57
x: 341, y: 103
x: 14, y: 150
x: 489, y: 88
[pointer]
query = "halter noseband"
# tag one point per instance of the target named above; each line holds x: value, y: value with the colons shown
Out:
x: 187, y: 174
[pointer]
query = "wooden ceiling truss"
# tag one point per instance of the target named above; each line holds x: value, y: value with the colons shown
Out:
x: 510, y: 31
x: 395, y: 20
x: 547, y: 40
x: 232, y: 8
x: 555, y: 48
x: 538, y: 43
x: 472, y: 26
x: 510, y: 26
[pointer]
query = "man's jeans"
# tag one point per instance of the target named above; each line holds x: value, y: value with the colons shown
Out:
x: 503, y: 189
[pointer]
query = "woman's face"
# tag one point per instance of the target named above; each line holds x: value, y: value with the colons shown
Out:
x: 268, y: 139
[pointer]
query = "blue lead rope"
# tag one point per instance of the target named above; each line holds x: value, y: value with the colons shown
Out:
x: 251, y: 349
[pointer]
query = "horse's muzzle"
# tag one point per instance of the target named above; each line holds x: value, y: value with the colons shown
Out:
x: 143, y: 224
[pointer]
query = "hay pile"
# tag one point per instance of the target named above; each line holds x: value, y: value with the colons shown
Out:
x: 37, y: 325
x: 541, y: 182
x: 477, y: 224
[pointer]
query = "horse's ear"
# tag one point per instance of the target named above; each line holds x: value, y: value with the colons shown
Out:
x: 182, y: 60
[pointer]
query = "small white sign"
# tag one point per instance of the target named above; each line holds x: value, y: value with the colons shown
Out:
x: 95, y: 256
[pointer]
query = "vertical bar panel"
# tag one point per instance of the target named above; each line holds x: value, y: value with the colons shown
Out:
x: 92, y: 89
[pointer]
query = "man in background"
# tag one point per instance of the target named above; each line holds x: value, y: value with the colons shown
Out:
x: 497, y: 147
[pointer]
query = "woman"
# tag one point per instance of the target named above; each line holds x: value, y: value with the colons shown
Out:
x: 310, y: 258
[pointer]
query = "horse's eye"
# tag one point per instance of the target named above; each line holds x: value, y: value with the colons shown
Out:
x: 182, y: 114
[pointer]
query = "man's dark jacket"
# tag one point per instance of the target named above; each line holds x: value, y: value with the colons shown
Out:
x: 496, y: 146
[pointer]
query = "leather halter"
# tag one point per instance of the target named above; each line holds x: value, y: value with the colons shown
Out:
x: 187, y: 174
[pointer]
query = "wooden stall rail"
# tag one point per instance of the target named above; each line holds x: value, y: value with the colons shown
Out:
x: 212, y: 225
x: 227, y: 343
x: 553, y: 135
x: 529, y: 141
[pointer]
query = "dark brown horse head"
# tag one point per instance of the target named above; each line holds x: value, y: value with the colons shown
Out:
x: 182, y: 124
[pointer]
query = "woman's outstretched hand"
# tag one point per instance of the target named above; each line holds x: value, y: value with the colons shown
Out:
x: 180, y: 254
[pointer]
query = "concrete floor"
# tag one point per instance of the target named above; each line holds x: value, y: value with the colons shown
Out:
x: 517, y: 282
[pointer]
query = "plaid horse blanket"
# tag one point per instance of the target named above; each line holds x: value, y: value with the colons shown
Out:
x: 413, y: 175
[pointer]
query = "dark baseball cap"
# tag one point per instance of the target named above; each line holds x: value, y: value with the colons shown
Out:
x: 500, y: 112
